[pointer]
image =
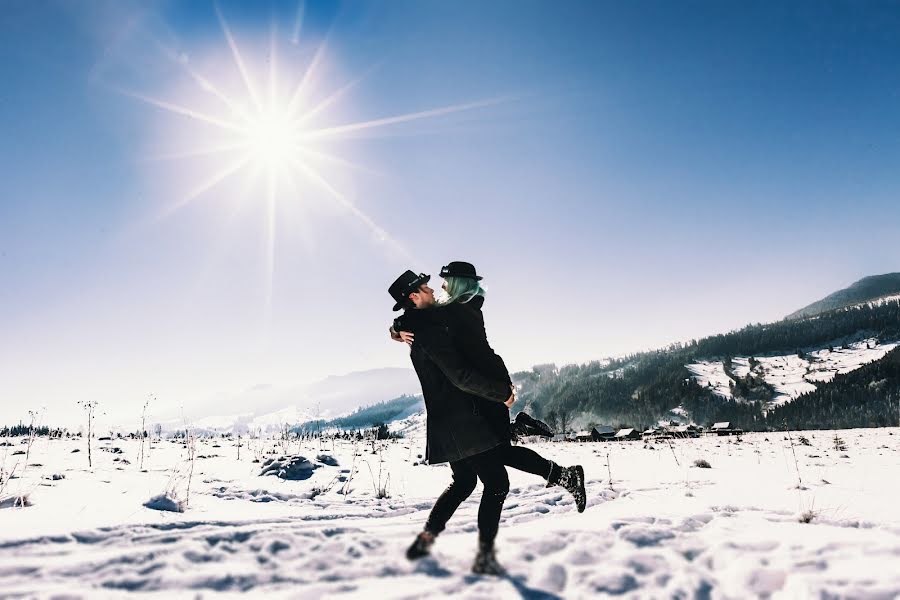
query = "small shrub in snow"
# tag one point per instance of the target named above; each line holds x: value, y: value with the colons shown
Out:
x: 808, y: 516
x: 803, y: 441
x: 165, y: 502
x: 16, y: 501
x: 327, y: 459
x: 701, y: 463
x: 293, y: 468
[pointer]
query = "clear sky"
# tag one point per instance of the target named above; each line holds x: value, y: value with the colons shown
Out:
x: 189, y: 209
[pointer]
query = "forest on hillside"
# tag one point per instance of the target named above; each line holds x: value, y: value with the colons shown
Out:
x: 640, y: 389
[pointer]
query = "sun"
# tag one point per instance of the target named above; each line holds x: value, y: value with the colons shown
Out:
x: 277, y: 124
x: 271, y: 140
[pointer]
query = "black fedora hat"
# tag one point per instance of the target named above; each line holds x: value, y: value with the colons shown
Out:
x: 405, y: 285
x: 458, y: 268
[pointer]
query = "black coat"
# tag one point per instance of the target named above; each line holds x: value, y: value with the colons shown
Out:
x: 451, y: 388
x: 466, y: 326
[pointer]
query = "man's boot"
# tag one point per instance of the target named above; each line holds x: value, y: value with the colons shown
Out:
x: 572, y: 479
x: 486, y: 560
x: 421, y: 546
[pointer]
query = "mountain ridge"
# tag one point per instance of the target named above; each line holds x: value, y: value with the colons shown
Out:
x: 866, y: 289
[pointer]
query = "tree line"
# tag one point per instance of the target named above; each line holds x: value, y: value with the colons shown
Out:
x: 640, y: 389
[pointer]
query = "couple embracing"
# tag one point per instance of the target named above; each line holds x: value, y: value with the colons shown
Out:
x: 468, y: 393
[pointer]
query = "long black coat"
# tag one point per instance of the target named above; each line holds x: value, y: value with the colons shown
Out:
x: 451, y: 388
x: 466, y: 326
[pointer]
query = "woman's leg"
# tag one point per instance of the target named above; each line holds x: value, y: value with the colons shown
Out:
x: 529, y: 461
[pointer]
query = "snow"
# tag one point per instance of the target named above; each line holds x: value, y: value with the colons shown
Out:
x: 660, y: 529
x: 788, y: 374
x: 880, y: 301
x: 711, y: 374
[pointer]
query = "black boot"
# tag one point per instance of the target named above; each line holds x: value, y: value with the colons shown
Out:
x: 421, y: 546
x: 572, y: 479
x: 486, y: 560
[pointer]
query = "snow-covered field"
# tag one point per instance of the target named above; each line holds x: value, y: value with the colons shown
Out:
x: 660, y: 528
x: 790, y: 375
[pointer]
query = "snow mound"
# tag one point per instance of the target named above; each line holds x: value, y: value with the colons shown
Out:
x: 293, y: 468
x: 16, y: 501
x: 165, y: 502
x: 327, y: 459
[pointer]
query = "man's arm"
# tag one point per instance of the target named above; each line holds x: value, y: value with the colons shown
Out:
x: 437, y: 345
x: 401, y: 336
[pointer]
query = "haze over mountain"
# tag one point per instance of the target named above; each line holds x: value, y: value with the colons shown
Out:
x: 864, y: 290
x: 268, y: 406
x: 763, y: 371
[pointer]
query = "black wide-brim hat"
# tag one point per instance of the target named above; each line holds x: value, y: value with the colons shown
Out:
x: 405, y: 285
x: 458, y: 268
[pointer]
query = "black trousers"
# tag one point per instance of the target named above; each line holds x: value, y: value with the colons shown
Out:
x: 490, y: 467
x: 527, y: 460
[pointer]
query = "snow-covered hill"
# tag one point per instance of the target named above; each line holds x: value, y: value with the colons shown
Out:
x: 790, y: 375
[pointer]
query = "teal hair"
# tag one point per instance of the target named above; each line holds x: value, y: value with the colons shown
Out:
x: 462, y: 289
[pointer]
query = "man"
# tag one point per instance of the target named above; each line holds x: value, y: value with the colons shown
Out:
x: 455, y: 431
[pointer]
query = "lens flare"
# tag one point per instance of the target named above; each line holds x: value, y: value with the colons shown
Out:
x: 275, y: 134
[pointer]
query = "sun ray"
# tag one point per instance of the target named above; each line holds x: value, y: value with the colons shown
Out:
x: 237, y: 58
x: 207, y: 86
x: 379, y: 233
x: 209, y: 151
x: 307, y: 75
x: 324, y: 156
x: 298, y: 22
x: 202, y: 82
x: 273, y: 66
x: 332, y: 98
x: 302, y: 228
x: 206, y: 186
x: 181, y: 110
x: 424, y: 114
x: 272, y: 185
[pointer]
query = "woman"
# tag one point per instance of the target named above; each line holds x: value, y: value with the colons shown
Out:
x: 455, y: 433
x: 461, y: 310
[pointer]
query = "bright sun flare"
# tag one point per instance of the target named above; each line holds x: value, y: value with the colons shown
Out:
x: 274, y: 133
x: 270, y: 140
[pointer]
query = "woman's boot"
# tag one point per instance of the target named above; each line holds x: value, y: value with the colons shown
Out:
x: 570, y: 478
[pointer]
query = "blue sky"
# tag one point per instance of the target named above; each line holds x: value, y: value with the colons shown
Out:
x: 639, y: 173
